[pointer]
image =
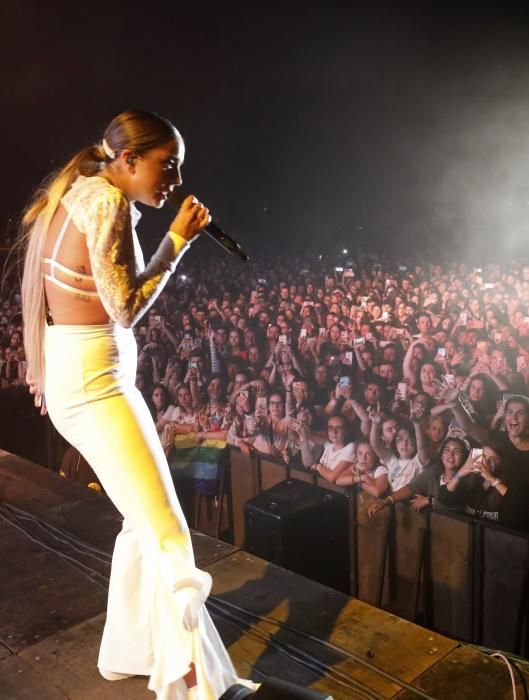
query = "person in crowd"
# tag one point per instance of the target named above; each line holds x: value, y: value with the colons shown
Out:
x: 214, y: 413
x: 272, y: 427
x: 366, y: 471
x: 172, y: 378
x: 423, y: 490
x: 436, y: 429
x: 338, y: 453
x: 183, y: 416
x: 408, y: 453
x: 242, y: 431
x: 484, y: 488
x: 159, y: 404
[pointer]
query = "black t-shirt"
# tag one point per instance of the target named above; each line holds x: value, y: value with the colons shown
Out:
x: 514, y: 511
x: 516, y: 460
x: 319, y: 395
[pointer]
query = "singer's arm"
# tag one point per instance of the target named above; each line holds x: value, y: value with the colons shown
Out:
x: 125, y: 294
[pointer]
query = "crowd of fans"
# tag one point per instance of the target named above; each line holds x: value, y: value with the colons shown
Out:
x: 410, y: 381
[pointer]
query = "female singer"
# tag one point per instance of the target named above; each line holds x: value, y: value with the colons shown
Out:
x: 84, y: 285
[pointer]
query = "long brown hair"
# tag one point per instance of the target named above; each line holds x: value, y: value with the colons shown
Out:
x: 137, y: 130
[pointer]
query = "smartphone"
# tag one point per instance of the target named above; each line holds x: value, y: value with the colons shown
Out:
x: 385, y: 316
x: 344, y: 382
x: 192, y: 364
x: 463, y: 317
x: 488, y: 285
x: 359, y: 341
x: 344, y: 337
x: 158, y: 319
x: 338, y: 269
x: 261, y: 280
x: 303, y: 333
x: 476, y: 453
x: 384, y: 343
x: 441, y: 352
x: 322, y: 332
x: 403, y: 390
x: 348, y: 358
x: 403, y: 268
x: 261, y: 405
x: 283, y: 340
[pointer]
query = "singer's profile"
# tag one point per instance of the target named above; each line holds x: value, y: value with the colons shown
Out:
x: 84, y: 286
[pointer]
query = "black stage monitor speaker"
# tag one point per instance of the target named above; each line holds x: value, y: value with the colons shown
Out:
x: 273, y: 689
x: 302, y: 528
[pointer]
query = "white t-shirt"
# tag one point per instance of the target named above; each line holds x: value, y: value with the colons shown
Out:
x: 402, y: 471
x: 378, y: 471
x: 331, y: 458
x: 178, y: 415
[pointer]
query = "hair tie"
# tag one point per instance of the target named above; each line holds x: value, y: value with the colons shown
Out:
x: 108, y: 150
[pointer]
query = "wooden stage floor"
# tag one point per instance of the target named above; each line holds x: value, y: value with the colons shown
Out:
x: 274, y: 622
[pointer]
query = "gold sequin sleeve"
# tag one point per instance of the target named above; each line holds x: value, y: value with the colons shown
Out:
x: 125, y: 292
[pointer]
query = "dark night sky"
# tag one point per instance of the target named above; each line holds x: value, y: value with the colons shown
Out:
x: 301, y: 119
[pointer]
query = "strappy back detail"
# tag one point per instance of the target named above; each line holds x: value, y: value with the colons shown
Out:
x: 52, y: 262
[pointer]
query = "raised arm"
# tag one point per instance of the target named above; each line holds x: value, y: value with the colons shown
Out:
x: 382, y: 452
x: 363, y: 415
x: 407, y: 371
x: 425, y: 449
x: 216, y: 365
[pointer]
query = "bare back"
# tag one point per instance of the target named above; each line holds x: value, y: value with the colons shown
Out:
x: 79, y: 304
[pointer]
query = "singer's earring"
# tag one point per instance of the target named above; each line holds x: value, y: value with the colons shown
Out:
x: 130, y: 160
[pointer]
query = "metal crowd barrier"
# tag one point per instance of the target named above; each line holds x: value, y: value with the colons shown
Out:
x: 463, y: 577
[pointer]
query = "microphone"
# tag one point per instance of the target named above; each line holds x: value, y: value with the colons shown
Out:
x: 214, y: 231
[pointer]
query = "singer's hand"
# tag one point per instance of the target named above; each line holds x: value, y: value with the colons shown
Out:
x: 191, y: 218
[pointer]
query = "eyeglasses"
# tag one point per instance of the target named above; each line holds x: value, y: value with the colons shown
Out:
x: 276, y: 403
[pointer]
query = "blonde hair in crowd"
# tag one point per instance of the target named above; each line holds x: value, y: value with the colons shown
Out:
x: 137, y: 130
